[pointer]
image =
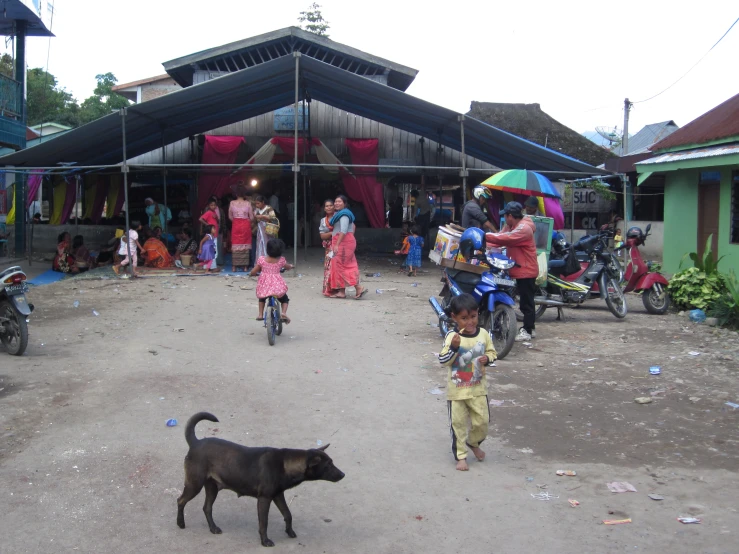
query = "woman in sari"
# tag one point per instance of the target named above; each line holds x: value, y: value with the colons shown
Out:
x: 324, y: 229
x: 64, y: 262
x: 264, y: 214
x: 344, y: 269
x: 156, y: 254
x: 240, y: 214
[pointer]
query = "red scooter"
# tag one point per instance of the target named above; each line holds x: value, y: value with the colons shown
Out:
x: 639, y: 278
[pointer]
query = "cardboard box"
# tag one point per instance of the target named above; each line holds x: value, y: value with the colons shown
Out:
x: 446, y: 245
x: 479, y: 269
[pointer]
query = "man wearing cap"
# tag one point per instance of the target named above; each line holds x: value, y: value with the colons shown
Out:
x: 517, y: 236
x: 531, y: 206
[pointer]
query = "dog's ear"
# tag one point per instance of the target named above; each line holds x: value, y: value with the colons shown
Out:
x: 324, y: 447
x: 314, y: 460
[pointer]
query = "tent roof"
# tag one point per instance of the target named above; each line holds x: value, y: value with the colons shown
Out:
x: 19, y: 10
x: 269, y: 86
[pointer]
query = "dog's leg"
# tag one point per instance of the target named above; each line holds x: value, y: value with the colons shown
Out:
x: 263, y: 504
x: 190, y: 492
x: 287, y: 516
x: 211, y: 492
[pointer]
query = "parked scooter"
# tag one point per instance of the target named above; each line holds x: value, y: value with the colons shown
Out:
x: 492, y: 290
x: 14, y: 308
x: 594, y: 273
x: 640, y: 278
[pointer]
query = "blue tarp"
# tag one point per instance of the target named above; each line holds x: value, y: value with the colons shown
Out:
x: 269, y: 86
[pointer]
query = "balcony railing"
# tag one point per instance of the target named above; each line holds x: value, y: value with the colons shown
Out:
x: 11, y: 97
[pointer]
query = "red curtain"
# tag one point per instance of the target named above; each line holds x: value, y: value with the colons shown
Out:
x: 217, y: 150
x: 101, y: 195
x: 363, y: 186
x: 287, y: 144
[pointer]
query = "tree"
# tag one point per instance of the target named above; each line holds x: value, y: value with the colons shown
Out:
x: 103, y: 100
x: 46, y: 101
x: 7, y: 67
x: 313, y: 22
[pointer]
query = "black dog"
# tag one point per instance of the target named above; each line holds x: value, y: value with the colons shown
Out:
x: 264, y: 473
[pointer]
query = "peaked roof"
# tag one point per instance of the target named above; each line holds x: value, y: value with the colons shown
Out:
x: 530, y: 122
x: 269, y: 86
x: 123, y: 86
x: 722, y: 122
x: 277, y: 44
x: 649, y: 134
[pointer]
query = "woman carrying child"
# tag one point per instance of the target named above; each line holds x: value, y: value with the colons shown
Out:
x: 270, y: 281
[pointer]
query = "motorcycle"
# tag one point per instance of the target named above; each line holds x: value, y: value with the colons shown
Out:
x: 14, y: 308
x: 493, y: 292
x: 593, y: 273
x: 640, y: 278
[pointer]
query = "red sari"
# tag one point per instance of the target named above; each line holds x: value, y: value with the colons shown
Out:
x: 157, y: 255
x: 344, y: 269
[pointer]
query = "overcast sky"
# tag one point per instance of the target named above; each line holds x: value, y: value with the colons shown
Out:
x: 578, y: 59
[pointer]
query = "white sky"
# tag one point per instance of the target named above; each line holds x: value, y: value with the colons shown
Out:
x: 578, y: 59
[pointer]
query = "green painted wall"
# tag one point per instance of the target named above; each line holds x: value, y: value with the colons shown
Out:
x: 681, y: 217
x: 730, y: 251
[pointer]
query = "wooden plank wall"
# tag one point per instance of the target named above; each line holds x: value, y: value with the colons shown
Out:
x: 332, y: 126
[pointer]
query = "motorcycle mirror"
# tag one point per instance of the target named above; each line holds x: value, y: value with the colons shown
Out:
x: 648, y: 228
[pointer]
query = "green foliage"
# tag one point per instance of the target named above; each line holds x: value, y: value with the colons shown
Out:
x: 103, y: 100
x: 7, y: 67
x: 726, y: 307
x: 313, y: 22
x: 47, y: 101
x: 600, y: 188
x: 706, y: 263
x: 693, y: 288
x: 656, y: 267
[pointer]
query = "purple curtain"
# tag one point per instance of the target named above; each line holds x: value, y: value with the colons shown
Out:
x: 69, y: 199
x: 101, y: 195
x: 34, y: 183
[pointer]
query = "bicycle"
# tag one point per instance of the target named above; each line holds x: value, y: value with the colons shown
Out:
x: 272, y: 319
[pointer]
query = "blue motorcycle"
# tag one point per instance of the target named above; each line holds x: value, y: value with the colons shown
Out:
x: 493, y: 290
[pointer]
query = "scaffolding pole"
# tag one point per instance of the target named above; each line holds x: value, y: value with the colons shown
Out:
x: 124, y: 170
x: 164, y: 181
x: 296, y: 168
x: 463, y: 172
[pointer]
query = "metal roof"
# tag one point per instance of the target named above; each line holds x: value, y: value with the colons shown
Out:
x: 17, y: 10
x: 269, y: 86
x: 277, y: 44
x: 722, y: 122
x: 696, y: 154
x: 648, y: 135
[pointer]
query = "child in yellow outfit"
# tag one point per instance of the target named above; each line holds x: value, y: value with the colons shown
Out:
x: 466, y: 353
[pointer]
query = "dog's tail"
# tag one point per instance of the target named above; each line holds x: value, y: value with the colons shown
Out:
x: 192, y: 422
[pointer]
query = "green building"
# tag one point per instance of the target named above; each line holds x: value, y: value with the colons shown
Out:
x: 700, y: 165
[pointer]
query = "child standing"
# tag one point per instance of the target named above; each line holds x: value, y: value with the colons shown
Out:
x: 466, y: 353
x: 207, y: 250
x: 270, y: 281
x: 133, y: 243
x: 413, y: 260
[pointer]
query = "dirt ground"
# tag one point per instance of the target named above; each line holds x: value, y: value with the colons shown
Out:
x: 88, y: 464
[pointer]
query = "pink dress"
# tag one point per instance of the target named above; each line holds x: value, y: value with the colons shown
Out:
x: 270, y: 281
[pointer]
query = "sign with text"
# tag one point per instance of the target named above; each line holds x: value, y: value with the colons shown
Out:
x: 586, y: 200
x: 285, y: 118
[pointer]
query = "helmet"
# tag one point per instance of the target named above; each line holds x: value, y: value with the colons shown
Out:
x: 472, y: 239
x: 634, y: 233
x: 481, y: 192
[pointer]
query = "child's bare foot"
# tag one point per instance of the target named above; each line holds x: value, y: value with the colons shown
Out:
x: 116, y: 269
x: 479, y: 454
x: 462, y: 465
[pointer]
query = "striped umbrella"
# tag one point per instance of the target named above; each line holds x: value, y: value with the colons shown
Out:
x: 522, y: 181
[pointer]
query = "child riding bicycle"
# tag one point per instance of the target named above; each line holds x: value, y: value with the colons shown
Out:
x: 270, y: 281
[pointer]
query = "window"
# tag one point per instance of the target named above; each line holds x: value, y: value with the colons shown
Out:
x: 735, y: 207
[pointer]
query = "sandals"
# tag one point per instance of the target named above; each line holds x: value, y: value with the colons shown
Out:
x: 336, y: 296
x: 285, y: 320
x: 361, y: 294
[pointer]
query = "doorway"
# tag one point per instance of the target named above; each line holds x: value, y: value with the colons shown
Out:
x: 708, y: 211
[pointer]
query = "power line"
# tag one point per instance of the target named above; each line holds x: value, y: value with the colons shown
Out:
x: 693, y: 66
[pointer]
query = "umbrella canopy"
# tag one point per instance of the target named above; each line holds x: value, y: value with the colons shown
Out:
x: 522, y: 181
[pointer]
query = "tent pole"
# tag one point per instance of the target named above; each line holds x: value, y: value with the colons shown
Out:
x: 295, y: 164
x: 572, y: 219
x: 124, y: 169
x: 76, y: 204
x: 306, y: 135
x: 164, y: 181
x: 463, y: 172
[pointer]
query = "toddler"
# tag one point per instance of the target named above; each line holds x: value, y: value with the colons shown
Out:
x: 270, y: 281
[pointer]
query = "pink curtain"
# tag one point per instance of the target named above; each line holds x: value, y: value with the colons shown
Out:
x: 69, y: 199
x: 363, y: 186
x: 98, y: 203
x: 34, y: 183
x: 217, y: 150
x: 287, y: 144
x: 553, y: 209
x: 117, y: 181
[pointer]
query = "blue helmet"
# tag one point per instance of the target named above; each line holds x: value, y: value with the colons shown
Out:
x: 472, y: 239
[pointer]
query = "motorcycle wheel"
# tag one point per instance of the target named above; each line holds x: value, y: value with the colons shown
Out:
x: 538, y: 310
x: 501, y: 325
x: 615, y: 299
x: 444, y: 324
x: 15, y: 330
x: 655, y: 302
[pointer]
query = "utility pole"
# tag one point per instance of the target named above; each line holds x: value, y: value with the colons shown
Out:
x: 624, y: 179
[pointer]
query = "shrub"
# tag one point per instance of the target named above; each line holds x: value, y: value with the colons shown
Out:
x: 693, y: 288
x: 726, y: 307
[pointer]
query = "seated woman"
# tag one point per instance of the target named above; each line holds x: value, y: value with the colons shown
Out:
x: 166, y: 238
x: 155, y: 253
x: 83, y: 259
x: 64, y: 262
x: 185, y: 245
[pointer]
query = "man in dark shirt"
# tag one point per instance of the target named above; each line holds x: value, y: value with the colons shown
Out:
x: 472, y: 213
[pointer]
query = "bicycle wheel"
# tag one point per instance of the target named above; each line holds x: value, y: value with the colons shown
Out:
x: 271, y: 324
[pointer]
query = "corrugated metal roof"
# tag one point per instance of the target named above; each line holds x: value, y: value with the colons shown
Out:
x: 719, y: 123
x: 645, y: 138
x: 696, y: 154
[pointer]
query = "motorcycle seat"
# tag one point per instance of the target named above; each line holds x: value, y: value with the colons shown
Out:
x: 466, y: 280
